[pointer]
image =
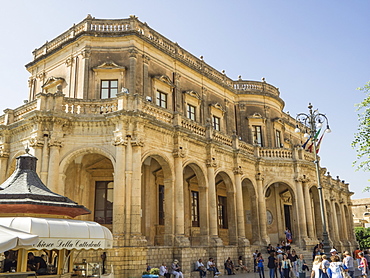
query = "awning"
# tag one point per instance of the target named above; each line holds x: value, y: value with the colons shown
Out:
x: 14, y: 239
x: 62, y: 233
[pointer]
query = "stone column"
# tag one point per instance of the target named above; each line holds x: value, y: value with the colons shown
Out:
x: 335, y: 221
x: 86, y: 71
x: 178, y: 154
x: 212, y: 198
x: 146, y: 91
x: 44, y: 163
x: 262, y: 209
x: 279, y: 215
x: 301, y: 211
x: 128, y: 179
x: 308, y: 208
x: 239, y: 202
x: 119, y: 186
x: 132, y: 71
x: 53, y: 171
x: 136, y: 235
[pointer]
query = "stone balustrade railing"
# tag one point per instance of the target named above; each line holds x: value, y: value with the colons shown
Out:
x: 222, y: 138
x: 242, y: 86
x: 275, y: 153
x: 247, y: 148
x: 193, y: 127
x: 158, y: 113
x: 79, y: 106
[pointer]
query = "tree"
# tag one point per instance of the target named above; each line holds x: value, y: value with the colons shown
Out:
x: 362, y: 138
x: 363, y: 237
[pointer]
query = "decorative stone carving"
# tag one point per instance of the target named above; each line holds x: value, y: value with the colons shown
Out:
x: 179, y: 152
x: 211, y: 162
x: 260, y: 177
x: 137, y: 142
x: 55, y: 143
x: 238, y: 171
x: 36, y: 143
x: 133, y: 53
x: 146, y: 59
x: 119, y: 141
x: 86, y: 53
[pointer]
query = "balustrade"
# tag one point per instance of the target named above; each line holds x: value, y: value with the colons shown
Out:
x: 76, y: 106
x: 275, y: 153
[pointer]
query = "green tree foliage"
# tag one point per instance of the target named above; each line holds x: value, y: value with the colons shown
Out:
x: 363, y: 237
x: 362, y: 138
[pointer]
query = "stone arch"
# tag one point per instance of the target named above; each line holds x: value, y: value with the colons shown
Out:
x: 88, y: 179
x: 226, y: 204
x: 281, y: 210
x: 70, y: 156
x: 158, y: 200
x: 250, y: 205
x: 195, y: 203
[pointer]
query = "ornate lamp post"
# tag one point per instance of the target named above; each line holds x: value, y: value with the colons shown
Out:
x: 314, y: 121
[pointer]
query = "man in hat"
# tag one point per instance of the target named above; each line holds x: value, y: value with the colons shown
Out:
x: 333, y: 252
x: 176, y: 269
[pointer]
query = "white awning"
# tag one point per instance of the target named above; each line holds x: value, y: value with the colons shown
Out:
x: 62, y: 233
x: 13, y: 239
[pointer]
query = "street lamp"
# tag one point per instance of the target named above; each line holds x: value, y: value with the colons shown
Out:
x: 314, y: 121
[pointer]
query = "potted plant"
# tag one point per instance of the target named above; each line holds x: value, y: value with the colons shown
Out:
x: 154, y: 273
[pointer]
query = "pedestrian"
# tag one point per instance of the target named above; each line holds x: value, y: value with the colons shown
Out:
x: 301, y: 266
x: 286, y: 266
x: 336, y: 267
x: 325, y: 266
x: 348, y: 262
x: 255, y: 261
x: 272, y: 263
x: 261, y: 270
x: 280, y: 260
x: 316, y: 267
x: 363, y: 264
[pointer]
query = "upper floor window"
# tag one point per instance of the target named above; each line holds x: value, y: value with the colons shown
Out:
x: 278, y: 139
x: 161, y: 99
x: 104, y: 202
x: 216, y: 123
x: 190, y: 112
x: 195, y: 208
x: 108, y: 88
x: 257, y: 135
x: 222, y: 212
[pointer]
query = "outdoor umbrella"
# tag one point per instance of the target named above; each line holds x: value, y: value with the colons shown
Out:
x: 14, y: 239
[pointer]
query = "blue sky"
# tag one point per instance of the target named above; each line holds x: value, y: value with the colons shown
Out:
x: 313, y: 51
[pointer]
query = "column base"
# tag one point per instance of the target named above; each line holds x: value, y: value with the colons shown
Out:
x: 215, y: 241
x: 182, y: 241
x: 138, y: 240
x: 243, y: 242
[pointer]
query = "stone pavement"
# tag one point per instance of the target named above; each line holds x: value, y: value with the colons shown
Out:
x: 256, y: 275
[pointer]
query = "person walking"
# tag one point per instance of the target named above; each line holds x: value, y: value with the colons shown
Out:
x: 271, y: 264
x: 286, y: 266
x: 363, y: 265
x: 301, y: 267
x: 336, y: 267
x: 349, y: 263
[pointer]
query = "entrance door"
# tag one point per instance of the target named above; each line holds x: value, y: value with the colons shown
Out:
x: 287, y: 209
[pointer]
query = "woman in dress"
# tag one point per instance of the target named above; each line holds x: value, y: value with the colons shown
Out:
x: 286, y: 265
x: 316, y: 267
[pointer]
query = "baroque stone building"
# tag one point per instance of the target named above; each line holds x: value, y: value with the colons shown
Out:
x: 176, y: 158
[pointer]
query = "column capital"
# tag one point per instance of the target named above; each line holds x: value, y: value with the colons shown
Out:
x: 238, y: 170
x: 133, y: 53
x: 211, y: 162
x: 179, y: 152
x: 302, y: 179
x: 260, y: 177
x: 146, y: 59
x: 4, y: 153
x: 86, y: 53
x: 137, y: 142
x: 119, y: 141
x: 55, y: 143
x: 36, y: 142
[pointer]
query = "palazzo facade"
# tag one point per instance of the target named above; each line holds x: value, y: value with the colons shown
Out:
x: 173, y: 156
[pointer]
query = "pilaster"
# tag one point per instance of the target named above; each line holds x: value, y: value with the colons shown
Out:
x: 262, y: 209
